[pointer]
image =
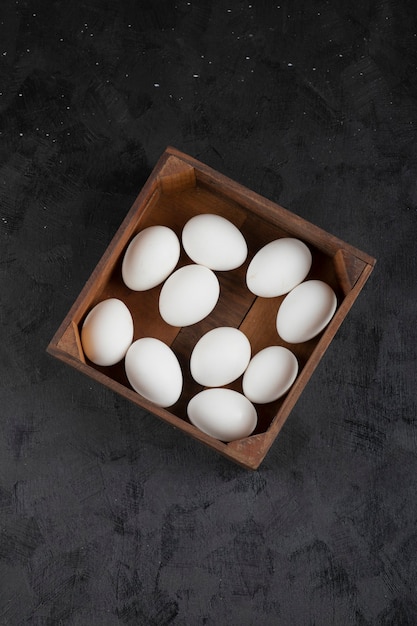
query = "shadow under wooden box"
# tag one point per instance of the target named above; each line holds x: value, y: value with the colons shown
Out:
x: 178, y: 188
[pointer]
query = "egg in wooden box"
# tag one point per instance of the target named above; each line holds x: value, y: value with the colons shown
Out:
x: 188, y: 295
x: 220, y: 356
x: 278, y: 267
x: 270, y: 374
x: 150, y: 257
x: 107, y: 332
x: 222, y: 413
x: 214, y: 241
x: 153, y: 371
x: 306, y: 311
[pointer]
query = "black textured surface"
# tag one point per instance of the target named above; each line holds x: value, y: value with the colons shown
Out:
x: 107, y: 515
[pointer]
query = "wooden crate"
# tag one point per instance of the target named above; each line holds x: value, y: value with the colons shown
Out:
x: 178, y: 188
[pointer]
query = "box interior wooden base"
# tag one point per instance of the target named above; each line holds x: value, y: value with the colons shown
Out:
x: 179, y: 188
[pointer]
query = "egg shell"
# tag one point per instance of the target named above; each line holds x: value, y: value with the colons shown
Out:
x: 306, y: 311
x: 154, y: 372
x: 188, y: 295
x: 213, y: 241
x: 223, y: 414
x: 278, y: 267
x: 270, y: 374
x: 150, y: 258
x: 107, y: 332
x: 220, y: 356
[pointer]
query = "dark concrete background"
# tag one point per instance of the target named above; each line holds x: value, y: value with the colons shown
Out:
x: 108, y: 515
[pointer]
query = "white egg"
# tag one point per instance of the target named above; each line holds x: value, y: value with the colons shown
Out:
x: 188, y: 295
x: 270, y: 374
x: 150, y: 258
x: 278, y: 267
x: 220, y: 356
x: 306, y: 311
x: 154, y: 372
x: 107, y: 332
x: 223, y: 414
x: 215, y: 242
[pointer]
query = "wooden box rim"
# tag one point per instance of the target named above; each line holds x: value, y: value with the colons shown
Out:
x: 173, y: 170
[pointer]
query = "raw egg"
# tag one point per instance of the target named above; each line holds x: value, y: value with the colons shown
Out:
x: 278, y: 267
x: 306, y: 311
x: 153, y: 370
x: 223, y: 414
x: 188, y: 295
x: 107, y: 332
x: 270, y: 374
x: 150, y: 258
x: 220, y: 356
x: 213, y: 241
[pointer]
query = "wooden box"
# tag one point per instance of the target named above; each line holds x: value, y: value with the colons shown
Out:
x: 178, y: 188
